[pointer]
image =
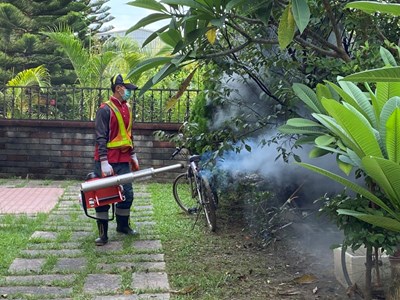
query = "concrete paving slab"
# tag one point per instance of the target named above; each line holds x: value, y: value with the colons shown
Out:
x: 36, y: 291
x: 142, y: 257
x: 126, y: 266
x: 48, y: 252
x: 70, y: 264
x: 45, y: 235
x: 150, y: 281
x: 102, y: 283
x: 25, y: 265
x: 110, y: 246
x: 40, y: 279
x: 54, y: 246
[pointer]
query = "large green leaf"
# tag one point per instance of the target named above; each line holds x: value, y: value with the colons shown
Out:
x: 189, y: 23
x: 324, y: 91
x: 345, y: 167
x: 385, y: 91
x: 300, y: 130
x: 386, y: 174
x: 386, y: 112
x: 324, y: 140
x: 353, y: 186
x: 166, y: 70
x: 362, y: 100
x: 301, y: 14
x: 308, y: 96
x: 317, y: 152
x: 286, y: 28
x: 148, y: 20
x: 346, y: 97
x: 149, y: 64
x: 154, y: 35
x: 195, y: 34
x: 337, y: 130
x: 355, y: 126
x: 393, y: 136
x: 380, y: 221
x: 391, y: 74
x: 300, y: 122
x: 171, y: 37
x: 374, y: 7
x: 387, y: 57
x: 354, y: 158
x: 148, y: 4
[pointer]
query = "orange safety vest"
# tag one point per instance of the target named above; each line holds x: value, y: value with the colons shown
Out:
x: 124, y: 136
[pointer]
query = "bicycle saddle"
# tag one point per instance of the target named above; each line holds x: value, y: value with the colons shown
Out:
x: 194, y: 158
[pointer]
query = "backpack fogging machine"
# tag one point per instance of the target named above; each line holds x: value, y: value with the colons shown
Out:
x: 97, y: 192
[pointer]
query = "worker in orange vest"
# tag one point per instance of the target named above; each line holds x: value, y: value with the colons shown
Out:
x: 115, y: 153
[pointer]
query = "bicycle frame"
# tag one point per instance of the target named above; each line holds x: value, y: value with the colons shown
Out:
x: 199, y: 191
x: 193, y: 173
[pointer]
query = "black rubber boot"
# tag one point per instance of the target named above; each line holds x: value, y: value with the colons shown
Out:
x: 102, y: 225
x: 123, y: 225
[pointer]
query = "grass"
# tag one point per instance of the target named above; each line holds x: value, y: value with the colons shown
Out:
x: 15, y: 234
x: 198, y: 261
x: 200, y: 265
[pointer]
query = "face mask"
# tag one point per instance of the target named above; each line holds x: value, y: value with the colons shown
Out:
x: 126, y: 95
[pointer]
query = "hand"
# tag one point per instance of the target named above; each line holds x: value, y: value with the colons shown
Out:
x: 106, y: 169
x: 134, y: 163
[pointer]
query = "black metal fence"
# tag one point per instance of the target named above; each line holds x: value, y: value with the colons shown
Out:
x: 77, y: 103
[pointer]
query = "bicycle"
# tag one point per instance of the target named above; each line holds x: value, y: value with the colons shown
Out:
x: 193, y: 193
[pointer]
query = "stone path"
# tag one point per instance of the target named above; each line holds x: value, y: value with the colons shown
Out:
x: 62, y: 262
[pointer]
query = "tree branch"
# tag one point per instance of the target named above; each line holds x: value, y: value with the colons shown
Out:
x: 332, y: 19
x: 338, y: 52
x: 225, y: 52
x: 338, y: 36
x: 245, y: 19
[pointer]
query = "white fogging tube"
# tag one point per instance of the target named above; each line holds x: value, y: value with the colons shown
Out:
x: 125, y: 178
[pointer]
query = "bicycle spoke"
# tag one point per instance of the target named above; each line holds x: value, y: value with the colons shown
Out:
x: 182, y: 190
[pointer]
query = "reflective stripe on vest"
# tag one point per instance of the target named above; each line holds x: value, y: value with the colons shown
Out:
x: 123, y: 138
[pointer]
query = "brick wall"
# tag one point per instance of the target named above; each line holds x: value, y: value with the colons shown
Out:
x: 62, y: 150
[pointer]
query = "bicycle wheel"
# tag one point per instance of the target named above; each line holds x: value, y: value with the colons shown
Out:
x: 209, y: 204
x: 355, y: 271
x: 182, y: 189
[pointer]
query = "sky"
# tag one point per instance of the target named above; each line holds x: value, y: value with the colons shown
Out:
x: 125, y: 15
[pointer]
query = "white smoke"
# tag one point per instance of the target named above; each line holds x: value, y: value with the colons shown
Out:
x: 262, y: 161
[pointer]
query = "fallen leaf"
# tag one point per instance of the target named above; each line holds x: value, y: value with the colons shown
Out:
x: 129, y: 292
x: 185, y: 291
x: 315, y: 290
x: 305, y: 279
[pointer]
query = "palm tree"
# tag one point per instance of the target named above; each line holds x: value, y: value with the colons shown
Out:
x: 15, y: 98
x: 94, y: 66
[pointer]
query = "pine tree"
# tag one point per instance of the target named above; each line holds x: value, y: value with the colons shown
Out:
x: 22, y: 44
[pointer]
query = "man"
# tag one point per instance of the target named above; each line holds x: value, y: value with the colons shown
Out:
x: 115, y: 154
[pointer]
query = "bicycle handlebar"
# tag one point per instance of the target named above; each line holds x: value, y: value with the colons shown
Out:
x: 177, y: 150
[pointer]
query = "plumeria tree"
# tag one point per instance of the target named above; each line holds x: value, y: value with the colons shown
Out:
x: 361, y: 127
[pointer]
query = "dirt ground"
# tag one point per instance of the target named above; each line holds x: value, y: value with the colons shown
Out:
x: 296, y: 263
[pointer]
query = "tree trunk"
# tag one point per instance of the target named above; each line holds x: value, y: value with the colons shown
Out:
x: 368, y: 268
x: 394, y: 288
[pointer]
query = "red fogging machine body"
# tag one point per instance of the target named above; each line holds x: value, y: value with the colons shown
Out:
x: 97, y: 192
